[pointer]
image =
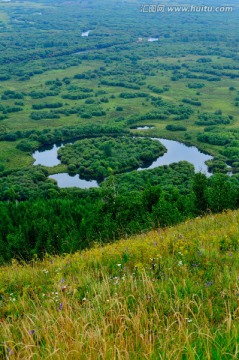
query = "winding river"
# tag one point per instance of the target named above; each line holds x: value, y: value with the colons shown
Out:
x: 180, y: 152
x: 176, y: 152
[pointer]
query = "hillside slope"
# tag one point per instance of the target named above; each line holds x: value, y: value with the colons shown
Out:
x: 167, y: 294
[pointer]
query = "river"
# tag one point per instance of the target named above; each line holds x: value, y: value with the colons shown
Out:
x: 176, y: 152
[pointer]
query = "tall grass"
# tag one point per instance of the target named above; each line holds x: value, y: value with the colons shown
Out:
x: 167, y: 294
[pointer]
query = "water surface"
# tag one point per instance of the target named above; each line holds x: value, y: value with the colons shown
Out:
x: 151, y: 39
x: 180, y: 152
x: 144, y: 127
x: 47, y: 157
x: 176, y: 152
x: 65, y: 180
x: 85, y: 33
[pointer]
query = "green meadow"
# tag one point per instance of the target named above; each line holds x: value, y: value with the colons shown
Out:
x: 145, y: 264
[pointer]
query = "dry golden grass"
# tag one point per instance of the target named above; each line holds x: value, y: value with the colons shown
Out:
x: 167, y: 294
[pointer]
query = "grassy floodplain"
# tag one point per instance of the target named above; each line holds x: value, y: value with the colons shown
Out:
x: 124, y: 77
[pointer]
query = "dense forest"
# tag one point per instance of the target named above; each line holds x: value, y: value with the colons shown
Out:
x: 91, y: 76
x: 73, y: 222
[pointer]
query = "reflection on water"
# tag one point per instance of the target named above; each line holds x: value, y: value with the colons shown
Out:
x: 64, y: 180
x: 47, y: 157
x: 176, y: 152
x: 180, y: 152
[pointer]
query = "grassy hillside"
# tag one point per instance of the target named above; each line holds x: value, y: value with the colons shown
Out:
x: 166, y: 294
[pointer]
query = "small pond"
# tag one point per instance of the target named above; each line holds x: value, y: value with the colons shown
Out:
x: 151, y: 39
x: 85, y: 33
x: 143, y: 127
